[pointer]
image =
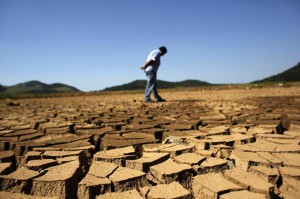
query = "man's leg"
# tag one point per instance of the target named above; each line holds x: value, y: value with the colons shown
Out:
x: 156, y: 95
x: 150, y: 85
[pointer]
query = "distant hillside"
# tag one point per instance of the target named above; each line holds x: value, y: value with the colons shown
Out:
x: 2, y: 88
x: 140, y: 84
x: 36, y: 87
x: 290, y: 75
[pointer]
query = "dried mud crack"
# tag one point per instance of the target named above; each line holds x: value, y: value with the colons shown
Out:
x: 205, y: 144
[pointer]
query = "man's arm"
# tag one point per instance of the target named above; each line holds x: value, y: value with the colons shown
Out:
x: 148, y: 63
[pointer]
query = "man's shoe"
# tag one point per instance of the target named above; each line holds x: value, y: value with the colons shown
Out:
x: 148, y: 101
x: 160, y: 100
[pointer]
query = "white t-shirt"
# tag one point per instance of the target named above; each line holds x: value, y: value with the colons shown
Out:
x: 155, y: 56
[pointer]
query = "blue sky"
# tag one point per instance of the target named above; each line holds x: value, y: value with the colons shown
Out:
x: 93, y: 44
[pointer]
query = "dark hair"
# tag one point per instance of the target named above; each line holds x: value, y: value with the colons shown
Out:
x: 163, y: 49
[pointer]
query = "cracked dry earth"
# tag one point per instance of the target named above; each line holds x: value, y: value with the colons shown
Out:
x: 199, y: 144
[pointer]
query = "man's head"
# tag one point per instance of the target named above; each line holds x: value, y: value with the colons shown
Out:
x: 163, y: 50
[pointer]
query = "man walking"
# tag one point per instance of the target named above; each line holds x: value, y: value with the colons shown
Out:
x: 151, y: 67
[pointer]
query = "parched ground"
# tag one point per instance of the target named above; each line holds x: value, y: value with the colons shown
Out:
x: 225, y: 144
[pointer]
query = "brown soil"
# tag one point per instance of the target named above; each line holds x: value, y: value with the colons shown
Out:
x: 235, y: 143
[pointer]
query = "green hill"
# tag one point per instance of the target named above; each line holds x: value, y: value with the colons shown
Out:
x: 2, y: 88
x: 36, y: 87
x: 140, y: 84
x: 290, y: 75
